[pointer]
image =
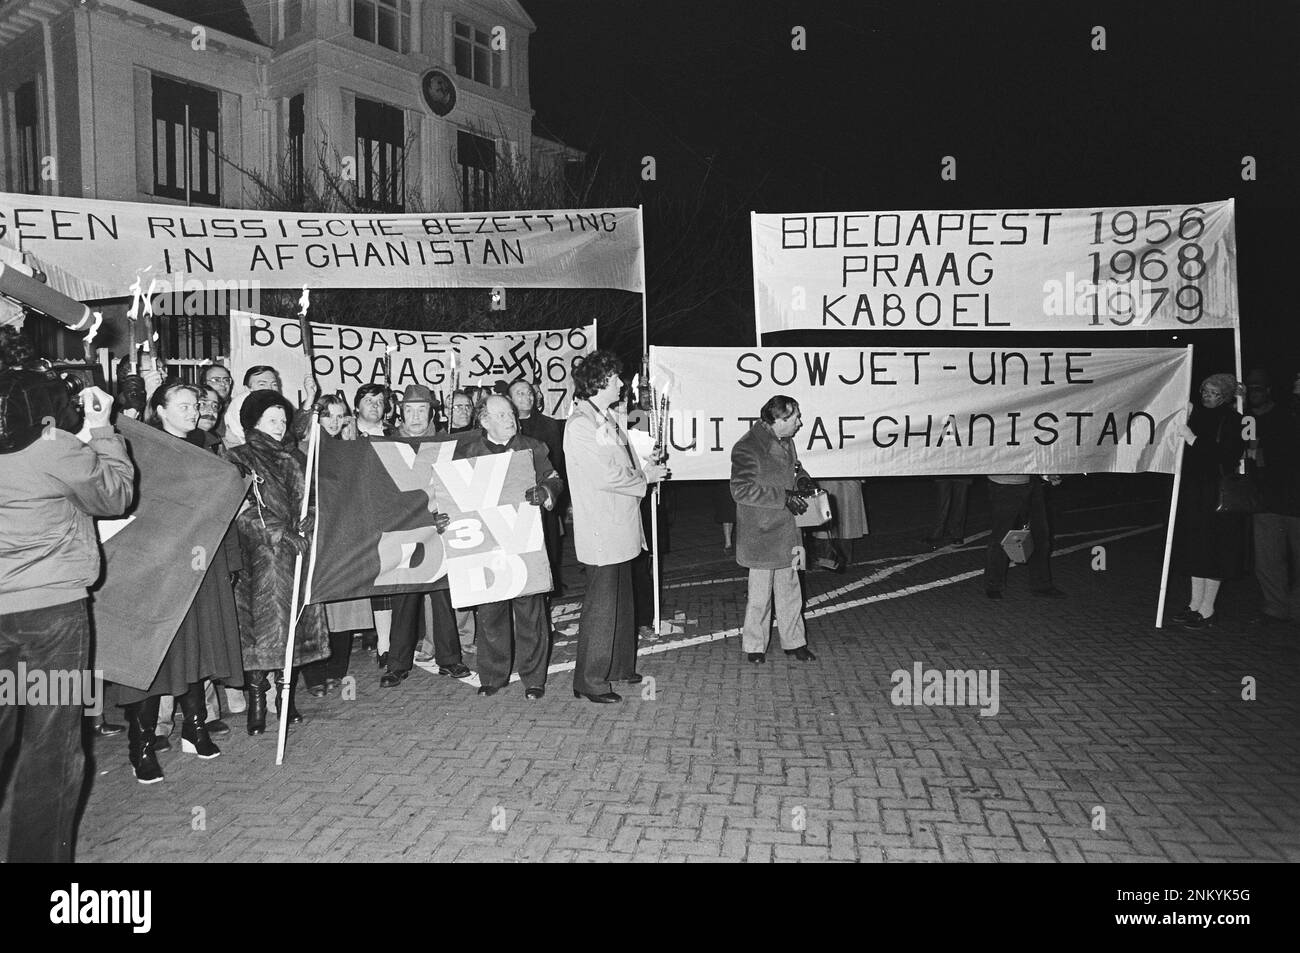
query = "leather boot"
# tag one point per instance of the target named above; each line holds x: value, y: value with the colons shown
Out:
x: 294, y: 717
x: 194, y: 727
x: 256, y: 691
x: 141, y: 723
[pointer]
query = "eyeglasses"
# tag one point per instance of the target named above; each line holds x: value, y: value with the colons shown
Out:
x: 209, y: 404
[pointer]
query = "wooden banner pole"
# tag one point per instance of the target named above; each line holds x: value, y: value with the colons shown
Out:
x: 287, y: 686
x: 1169, y: 531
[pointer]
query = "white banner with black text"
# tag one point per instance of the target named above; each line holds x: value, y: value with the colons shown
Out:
x: 347, y: 356
x: 929, y: 412
x: 98, y: 249
x: 1136, y: 268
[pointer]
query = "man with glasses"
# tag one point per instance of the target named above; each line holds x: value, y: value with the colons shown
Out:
x: 217, y: 379
x: 462, y: 413
x: 514, y: 627
x: 209, y: 417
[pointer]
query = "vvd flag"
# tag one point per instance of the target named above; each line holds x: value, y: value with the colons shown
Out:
x: 376, y: 532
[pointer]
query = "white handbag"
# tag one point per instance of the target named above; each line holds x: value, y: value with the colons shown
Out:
x: 1018, y: 544
x: 818, y: 512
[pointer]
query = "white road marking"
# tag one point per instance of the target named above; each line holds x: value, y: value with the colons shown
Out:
x: 882, y: 597
x: 1117, y: 534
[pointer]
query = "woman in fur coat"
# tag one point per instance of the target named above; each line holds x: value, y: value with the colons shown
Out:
x: 271, y: 538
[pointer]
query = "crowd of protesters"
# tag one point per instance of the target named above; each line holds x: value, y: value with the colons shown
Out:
x: 229, y: 651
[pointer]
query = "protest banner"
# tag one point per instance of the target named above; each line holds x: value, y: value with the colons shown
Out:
x: 1093, y: 269
x: 936, y: 411
x: 156, y: 555
x: 347, y: 356
x: 376, y: 530
x: 96, y: 249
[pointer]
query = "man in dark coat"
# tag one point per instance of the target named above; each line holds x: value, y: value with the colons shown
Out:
x: 533, y: 423
x: 500, y: 432
x: 768, y: 485
x: 1274, y: 456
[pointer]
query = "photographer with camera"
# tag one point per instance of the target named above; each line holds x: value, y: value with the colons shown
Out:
x: 51, y: 485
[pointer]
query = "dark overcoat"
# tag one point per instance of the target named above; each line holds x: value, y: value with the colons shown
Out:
x: 1207, y: 543
x: 265, y: 587
x: 763, y: 467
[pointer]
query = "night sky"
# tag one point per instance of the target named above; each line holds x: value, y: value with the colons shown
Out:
x: 862, y: 119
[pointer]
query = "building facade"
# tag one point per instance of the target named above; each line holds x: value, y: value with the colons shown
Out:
x: 118, y: 99
x: 396, y: 104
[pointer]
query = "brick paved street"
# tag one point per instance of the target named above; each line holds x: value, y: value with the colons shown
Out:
x: 792, y: 761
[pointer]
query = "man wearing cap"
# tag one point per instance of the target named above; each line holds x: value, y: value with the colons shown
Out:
x: 408, y: 607
x: 417, y: 406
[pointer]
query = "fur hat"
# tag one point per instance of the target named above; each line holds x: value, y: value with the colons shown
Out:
x: 259, y: 402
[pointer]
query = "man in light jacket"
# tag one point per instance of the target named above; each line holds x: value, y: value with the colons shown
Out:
x: 606, y: 484
x: 769, y: 484
x: 51, y: 484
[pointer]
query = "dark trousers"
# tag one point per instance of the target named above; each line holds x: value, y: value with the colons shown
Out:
x: 408, y: 629
x: 950, y: 506
x: 643, y: 590
x: 554, y: 547
x: 531, y: 641
x: 336, y: 666
x: 1012, y: 505
x: 50, y: 766
x: 1274, y: 536
x: 606, y: 637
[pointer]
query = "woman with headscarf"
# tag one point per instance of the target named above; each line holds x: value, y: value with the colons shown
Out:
x: 207, y: 644
x: 271, y: 538
x: 350, y: 615
x: 1209, y: 546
